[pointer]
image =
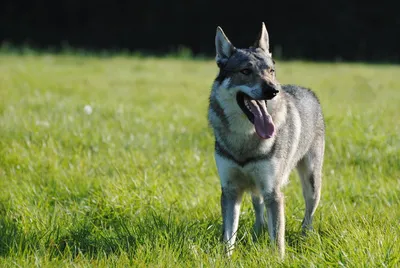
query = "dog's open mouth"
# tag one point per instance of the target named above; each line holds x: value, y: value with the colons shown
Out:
x: 256, y: 111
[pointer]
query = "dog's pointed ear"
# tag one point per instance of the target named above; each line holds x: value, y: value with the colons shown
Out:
x: 223, y: 47
x: 263, y: 39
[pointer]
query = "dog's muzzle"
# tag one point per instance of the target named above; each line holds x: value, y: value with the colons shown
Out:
x: 257, y: 113
x: 269, y: 90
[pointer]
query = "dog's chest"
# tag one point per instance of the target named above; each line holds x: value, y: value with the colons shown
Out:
x: 245, y: 147
x: 258, y: 176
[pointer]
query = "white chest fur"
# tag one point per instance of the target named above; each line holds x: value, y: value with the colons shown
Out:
x: 257, y: 177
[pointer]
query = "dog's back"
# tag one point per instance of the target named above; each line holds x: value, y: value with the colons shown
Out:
x: 304, y: 119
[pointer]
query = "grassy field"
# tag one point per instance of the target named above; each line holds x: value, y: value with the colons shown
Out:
x: 133, y: 182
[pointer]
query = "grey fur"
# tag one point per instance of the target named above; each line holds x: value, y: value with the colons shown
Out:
x: 247, y: 162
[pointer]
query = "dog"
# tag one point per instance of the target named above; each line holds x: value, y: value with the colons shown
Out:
x: 263, y: 130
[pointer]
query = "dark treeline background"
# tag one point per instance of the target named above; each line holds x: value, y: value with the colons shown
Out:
x: 314, y: 30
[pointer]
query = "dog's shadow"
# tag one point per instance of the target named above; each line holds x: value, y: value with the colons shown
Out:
x: 296, y: 240
x: 107, y: 235
x: 110, y: 233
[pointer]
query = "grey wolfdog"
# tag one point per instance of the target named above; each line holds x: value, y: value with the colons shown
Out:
x: 263, y: 130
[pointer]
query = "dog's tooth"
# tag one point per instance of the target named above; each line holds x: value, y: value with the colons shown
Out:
x: 247, y: 104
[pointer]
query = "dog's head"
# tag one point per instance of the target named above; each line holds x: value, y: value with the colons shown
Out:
x: 247, y: 76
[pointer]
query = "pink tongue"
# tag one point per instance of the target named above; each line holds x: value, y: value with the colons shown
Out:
x: 262, y: 120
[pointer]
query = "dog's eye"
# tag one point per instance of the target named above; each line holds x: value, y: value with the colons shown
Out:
x: 271, y: 71
x: 245, y: 71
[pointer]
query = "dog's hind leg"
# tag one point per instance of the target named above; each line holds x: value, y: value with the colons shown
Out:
x: 310, y: 172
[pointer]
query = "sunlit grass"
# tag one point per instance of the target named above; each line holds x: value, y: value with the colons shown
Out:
x: 134, y: 183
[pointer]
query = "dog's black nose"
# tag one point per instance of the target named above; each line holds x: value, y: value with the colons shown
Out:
x: 269, y: 92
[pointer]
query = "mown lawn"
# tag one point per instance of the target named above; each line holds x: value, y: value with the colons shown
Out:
x: 134, y: 183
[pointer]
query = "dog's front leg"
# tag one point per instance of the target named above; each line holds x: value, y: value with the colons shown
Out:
x: 230, y: 205
x: 276, y: 219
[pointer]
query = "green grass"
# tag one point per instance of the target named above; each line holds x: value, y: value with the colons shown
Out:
x: 135, y: 183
